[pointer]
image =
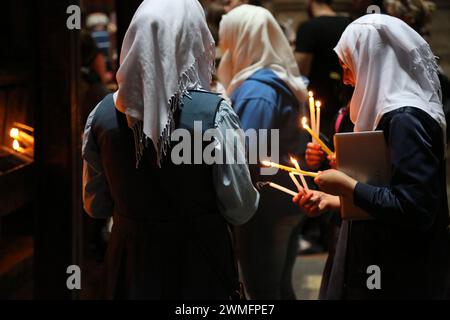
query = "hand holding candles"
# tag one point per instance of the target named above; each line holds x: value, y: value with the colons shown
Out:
x: 315, y: 136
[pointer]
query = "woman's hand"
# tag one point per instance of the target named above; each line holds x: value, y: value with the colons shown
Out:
x: 332, y: 160
x: 336, y: 183
x: 314, y: 156
x: 313, y: 202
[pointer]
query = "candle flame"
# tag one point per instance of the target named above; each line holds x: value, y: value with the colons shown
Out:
x: 304, y: 121
x: 16, y: 145
x: 266, y: 163
x: 310, y: 93
x: 14, y: 133
x: 318, y: 104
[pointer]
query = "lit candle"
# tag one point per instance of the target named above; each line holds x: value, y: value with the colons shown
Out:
x: 318, y: 105
x: 283, y: 189
x: 302, y: 177
x: 289, y: 169
x: 17, y: 147
x: 294, y: 179
x: 315, y: 136
x: 16, y: 134
x: 312, y: 111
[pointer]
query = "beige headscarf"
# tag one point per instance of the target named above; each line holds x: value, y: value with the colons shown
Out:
x: 167, y: 50
x: 251, y: 39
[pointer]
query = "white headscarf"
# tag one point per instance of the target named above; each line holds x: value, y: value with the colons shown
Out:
x: 251, y: 39
x: 393, y: 66
x: 167, y: 50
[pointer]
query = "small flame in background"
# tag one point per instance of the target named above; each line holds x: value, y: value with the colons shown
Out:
x: 22, y: 141
x: 16, y: 145
x: 14, y: 133
x: 304, y: 121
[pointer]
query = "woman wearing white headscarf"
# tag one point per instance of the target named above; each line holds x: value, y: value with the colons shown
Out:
x: 397, y: 90
x: 261, y: 77
x: 170, y: 238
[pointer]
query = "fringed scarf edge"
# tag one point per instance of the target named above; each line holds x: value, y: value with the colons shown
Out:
x: 187, y: 79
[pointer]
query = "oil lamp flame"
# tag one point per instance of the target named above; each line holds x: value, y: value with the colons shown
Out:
x: 16, y: 145
x: 14, y: 133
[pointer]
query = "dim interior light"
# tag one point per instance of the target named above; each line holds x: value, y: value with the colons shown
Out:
x: 14, y: 133
x: 16, y: 145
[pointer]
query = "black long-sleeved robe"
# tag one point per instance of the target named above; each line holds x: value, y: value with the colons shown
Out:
x: 409, y: 237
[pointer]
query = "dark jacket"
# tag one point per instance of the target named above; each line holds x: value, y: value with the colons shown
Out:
x: 169, y: 240
x: 409, y: 237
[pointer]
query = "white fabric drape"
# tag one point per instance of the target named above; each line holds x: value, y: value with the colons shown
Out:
x: 393, y: 67
x: 167, y: 50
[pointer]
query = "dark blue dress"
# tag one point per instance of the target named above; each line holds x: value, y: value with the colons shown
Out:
x: 409, y: 237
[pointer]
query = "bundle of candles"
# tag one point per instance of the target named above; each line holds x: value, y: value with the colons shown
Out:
x: 22, y: 142
x: 293, y: 171
x: 314, y: 130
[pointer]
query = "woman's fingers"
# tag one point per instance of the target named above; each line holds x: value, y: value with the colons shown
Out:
x: 314, y: 158
x: 299, y: 196
x: 305, y: 199
x: 315, y: 146
x: 314, y: 153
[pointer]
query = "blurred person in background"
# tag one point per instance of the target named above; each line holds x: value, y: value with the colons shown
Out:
x: 98, y: 23
x: 418, y: 15
x: 360, y: 7
x: 316, y: 59
x: 231, y: 4
x: 318, y: 62
x: 259, y: 72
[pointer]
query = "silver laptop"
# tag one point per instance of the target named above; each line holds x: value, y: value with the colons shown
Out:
x: 363, y: 156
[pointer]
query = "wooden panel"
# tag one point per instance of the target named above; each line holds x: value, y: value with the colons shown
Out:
x: 57, y: 149
x: 2, y: 115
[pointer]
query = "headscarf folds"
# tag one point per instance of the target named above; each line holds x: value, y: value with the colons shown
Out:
x: 251, y: 39
x: 167, y: 50
x: 393, y: 67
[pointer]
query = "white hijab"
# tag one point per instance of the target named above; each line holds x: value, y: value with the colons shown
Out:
x: 167, y: 50
x: 251, y: 39
x: 393, y: 67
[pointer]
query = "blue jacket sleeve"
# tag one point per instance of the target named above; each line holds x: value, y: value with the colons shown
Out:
x: 412, y: 197
x: 256, y: 113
